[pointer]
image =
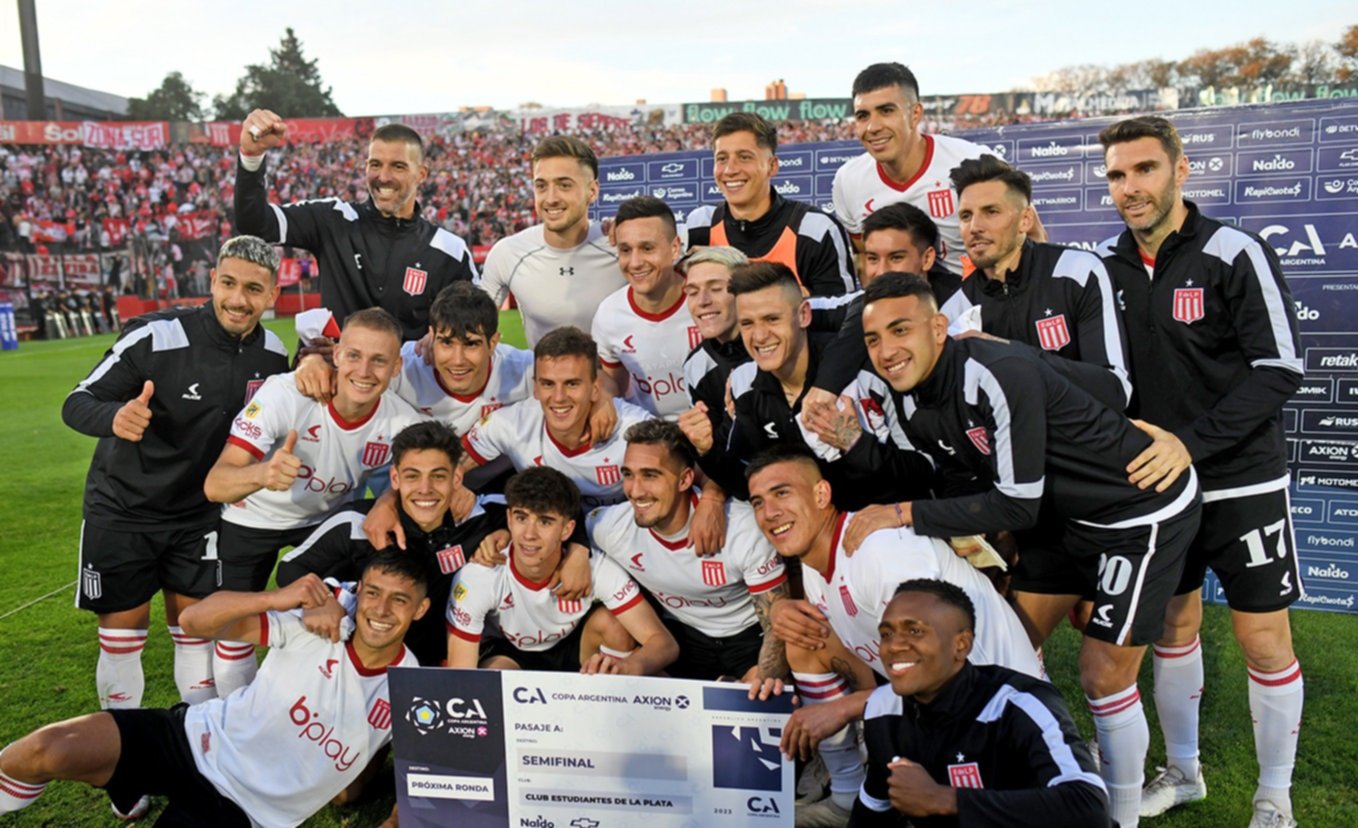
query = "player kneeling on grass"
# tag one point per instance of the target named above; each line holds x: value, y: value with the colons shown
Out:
x: 314, y: 717
x: 955, y: 743
x: 538, y: 629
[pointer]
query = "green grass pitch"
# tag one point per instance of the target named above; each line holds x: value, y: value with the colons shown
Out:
x: 48, y: 648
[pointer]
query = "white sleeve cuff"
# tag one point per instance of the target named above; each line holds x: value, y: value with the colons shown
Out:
x: 251, y: 162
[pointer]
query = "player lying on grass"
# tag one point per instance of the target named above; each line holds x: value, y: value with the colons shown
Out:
x: 315, y: 715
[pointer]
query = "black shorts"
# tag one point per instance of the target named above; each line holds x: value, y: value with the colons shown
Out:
x: 1045, y: 566
x: 121, y: 569
x: 561, y: 657
x: 156, y: 761
x: 1248, y: 541
x: 703, y: 657
x: 249, y: 555
x: 1130, y: 574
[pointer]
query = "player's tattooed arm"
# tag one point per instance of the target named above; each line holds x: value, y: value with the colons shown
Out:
x: 772, y: 653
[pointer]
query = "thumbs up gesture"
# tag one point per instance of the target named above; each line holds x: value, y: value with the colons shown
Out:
x: 132, y: 419
x: 282, y: 467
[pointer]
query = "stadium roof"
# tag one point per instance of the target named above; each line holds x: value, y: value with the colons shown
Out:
x: 68, y: 93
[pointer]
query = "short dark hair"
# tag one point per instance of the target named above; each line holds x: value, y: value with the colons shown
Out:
x: 644, y: 206
x: 780, y: 453
x: 396, y: 561
x: 906, y: 217
x: 1144, y: 126
x: 544, y: 491
x: 948, y: 593
x: 881, y: 75
x: 567, y: 146
x: 463, y: 309
x: 568, y: 340
x: 430, y: 435
x: 375, y: 319
x: 765, y: 133
x: 399, y: 133
x: 748, y: 278
x: 989, y: 168
x: 899, y: 286
x: 663, y: 433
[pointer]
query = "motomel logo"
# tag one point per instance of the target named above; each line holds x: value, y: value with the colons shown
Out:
x: 1331, y: 571
x: 619, y: 175
x: 1274, y: 164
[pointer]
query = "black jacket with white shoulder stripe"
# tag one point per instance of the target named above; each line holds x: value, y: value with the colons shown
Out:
x: 366, y: 259
x: 1215, y: 346
x: 203, y: 377
x: 1003, y: 740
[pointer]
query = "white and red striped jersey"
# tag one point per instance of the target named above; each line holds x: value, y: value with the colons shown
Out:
x: 314, y: 717
x: 862, y: 187
x: 509, y: 381
x: 337, y: 455
x: 856, y: 590
x: 525, y: 613
x: 652, y: 347
x: 712, y: 594
x: 520, y: 433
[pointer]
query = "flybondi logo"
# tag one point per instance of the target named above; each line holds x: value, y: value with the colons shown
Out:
x: 1274, y: 134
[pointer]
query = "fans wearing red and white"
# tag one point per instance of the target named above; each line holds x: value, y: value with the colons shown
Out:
x: 290, y: 462
x: 472, y: 373
x: 644, y: 331
x: 537, y: 629
x: 316, y: 715
x: 717, y: 607
x: 900, y: 164
x: 554, y: 429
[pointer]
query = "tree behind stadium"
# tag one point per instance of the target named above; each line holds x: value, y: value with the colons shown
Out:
x: 290, y: 85
x: 175, y: 100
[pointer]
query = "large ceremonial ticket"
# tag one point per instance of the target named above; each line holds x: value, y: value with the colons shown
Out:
x: 515, y: 748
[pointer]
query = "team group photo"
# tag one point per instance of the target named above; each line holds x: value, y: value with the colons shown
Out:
x: 890, y: 458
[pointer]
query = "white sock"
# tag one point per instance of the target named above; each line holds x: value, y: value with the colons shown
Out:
x: 193, y: 667
x: 1275, y: 706
x: 233, y: 666
x: 1178, y: 695
x: 839, y: 751
x: 118, y: 677
x: 15, y: 795
x: 1124, y: 738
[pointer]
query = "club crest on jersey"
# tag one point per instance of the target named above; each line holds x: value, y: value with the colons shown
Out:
x: 608, y: 475
x: 375, y: 453
x: 714, y: 573
x: 966, y: 775
x: 695, y: 337
x: 980, y: 439
x: 489, y: 407
x: 940, y: 203
x: 251, y: 387
x: 451, y: 559
x: 380, y: 715
x: 1189, y: 306
x: 570, y: 607
x: 850, y: 606
x: 872, y: 410
x: 415, y: 281
x: 1052, y: 332
x: 91, y: 583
